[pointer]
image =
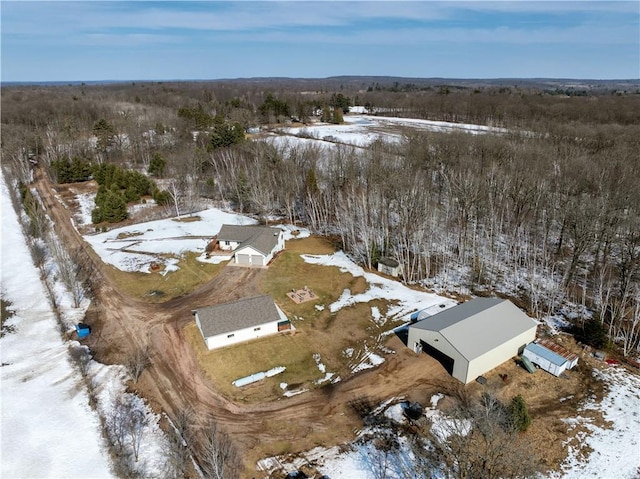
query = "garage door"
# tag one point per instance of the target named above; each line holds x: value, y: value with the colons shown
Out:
x: 439, y: 356
x: 243, y: 258
x: 256, y: 260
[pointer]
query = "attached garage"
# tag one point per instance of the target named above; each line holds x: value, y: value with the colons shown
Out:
x: 253, y: 245
x: 474, y: 337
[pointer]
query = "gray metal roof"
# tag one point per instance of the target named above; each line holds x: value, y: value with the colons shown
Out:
x: 261, y: 238
x: 547, y: 354
x: 479, y: 325
x: 245, y: 313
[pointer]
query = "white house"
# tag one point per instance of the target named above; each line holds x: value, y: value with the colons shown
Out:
x: 550, y: 356
x: 252, y: 245
x: 243, y: 320
x: 473, y: 337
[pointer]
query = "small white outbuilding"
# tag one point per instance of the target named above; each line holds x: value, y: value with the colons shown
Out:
x: 550, y: 356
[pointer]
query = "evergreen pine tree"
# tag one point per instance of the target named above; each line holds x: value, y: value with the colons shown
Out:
x: 519, y: 414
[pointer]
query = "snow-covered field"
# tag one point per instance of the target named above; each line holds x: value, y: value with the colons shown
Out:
x: 48, y: 428
x: 361, y: 130
x: 133, y: 248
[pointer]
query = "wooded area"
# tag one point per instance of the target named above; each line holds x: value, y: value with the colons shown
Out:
x: 546, y: 213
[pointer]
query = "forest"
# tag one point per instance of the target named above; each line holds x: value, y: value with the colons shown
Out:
x: 546, y: 213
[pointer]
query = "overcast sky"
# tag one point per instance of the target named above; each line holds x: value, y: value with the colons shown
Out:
x: 135, y: 40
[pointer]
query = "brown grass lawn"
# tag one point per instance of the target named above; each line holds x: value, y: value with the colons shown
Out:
x: 156, y: 288
x: 222, y: 366
x: 317, y: 331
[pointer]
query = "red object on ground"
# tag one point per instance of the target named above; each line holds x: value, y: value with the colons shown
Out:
x: 611, y: 361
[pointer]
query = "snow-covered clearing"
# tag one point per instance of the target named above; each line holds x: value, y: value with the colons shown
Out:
x: 133, y: 248
x: 402, y: 300
x: 362, y: 130
x: 616, y: 450
x: 48, y: 428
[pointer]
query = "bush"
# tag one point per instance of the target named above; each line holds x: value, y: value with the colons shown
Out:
x: 519, y: 414
x: 161, y: 197
x: 71, y: 171
x: 592, y: 332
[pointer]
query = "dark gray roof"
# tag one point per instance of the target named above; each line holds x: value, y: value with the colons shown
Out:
x: 261, y: 238
x: 391, y: 263
x: 479, y: 325
x: 245, y: 313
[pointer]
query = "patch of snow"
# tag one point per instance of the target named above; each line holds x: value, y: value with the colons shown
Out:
x: 435, y: 399
x: 323, y: 369
x: 290, y: 229
x: 284, y: 386
x: 404, y: 299
x: 317, y: 359
x: 348, y: 352
x: 294, y: 392
x: 213, y: 259
x: 319, y: 307
x: 396, y: 413
x: 556, y: 323
x: 615, y: 447
x: 86, y: 204
x: 377, y: 316
x: 369, y: 360
x: 327, y: 377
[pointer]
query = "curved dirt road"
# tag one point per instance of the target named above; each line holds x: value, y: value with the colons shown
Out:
x: 174, y: 380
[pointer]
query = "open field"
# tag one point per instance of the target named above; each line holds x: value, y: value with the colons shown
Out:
x: 338, y: 340
x: 156, y: 287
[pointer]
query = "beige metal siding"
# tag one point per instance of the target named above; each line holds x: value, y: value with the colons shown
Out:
x: 498, y: 355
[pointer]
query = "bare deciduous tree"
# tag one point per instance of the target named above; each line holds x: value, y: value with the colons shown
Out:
x: 215, y: 453
x: 137, y: 362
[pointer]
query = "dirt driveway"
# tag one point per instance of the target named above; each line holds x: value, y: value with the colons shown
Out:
x: 174, y: 381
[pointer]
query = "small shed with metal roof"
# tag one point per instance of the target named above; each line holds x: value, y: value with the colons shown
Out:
x: 473, y: 337
x: 550, y: 356
x: 389, y: 266
x: 243, y: 320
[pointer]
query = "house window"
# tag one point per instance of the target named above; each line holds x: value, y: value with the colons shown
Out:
x: 230, y: 335
x: 256, y: 329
